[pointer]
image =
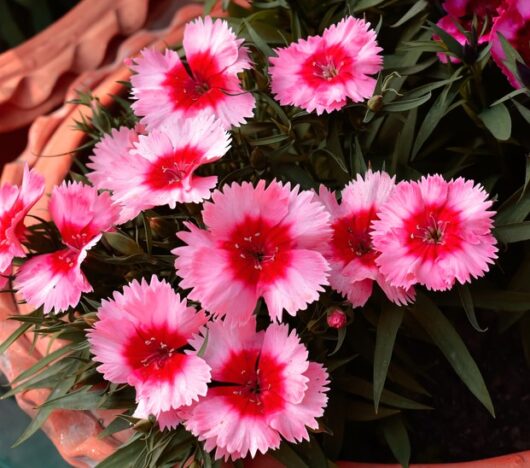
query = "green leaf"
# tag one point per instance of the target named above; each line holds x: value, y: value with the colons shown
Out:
x: 445, y: 337
x: 286, y: 455
x: 498, y: 121
x: 453, y: 46
x: 510, y: 96
x: 404, y: 104
x: 341, y: 334
x: 387, y: 326
x: 504, y: 300
x: 397, y: 438
x: 126, y: 456
x: 14, y: 336
x: 208, y: 5
x: 515, y: 232
x: 122, y: 243
x: 417, y: 7
x: 524, y: 111
x: 258, y: 41
x: 361, y: 411
x: 467, y: 304
x: 365, y: 5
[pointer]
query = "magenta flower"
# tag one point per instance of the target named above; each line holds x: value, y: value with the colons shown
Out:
x: 434, y: 233
x: 350, y: 252
x: 139, y: 340
x: 159, y: 168
x: 164, y: 87
x: 55, y: 280
x: 336, y: 318
x: 15, y: 203
x: 267, y: 390
x: 259, y: 242
x: 321, y: 72
x: 514, y: 25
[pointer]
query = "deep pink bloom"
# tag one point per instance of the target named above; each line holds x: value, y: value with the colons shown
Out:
x: 260, y: 242
x: 321, y: 72
x: 160, y: 168
x: 435, y: 232
x: 15, y: 203
x: 163, y: 86
x: 139, y: 339
x: 269, y: 390
x: 481, y: 8
x: 55, y: 280
x: 514, y: 25
x: 350, y: 252
x: 336, y: 319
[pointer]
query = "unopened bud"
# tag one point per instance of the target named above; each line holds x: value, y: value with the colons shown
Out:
x: 375, y: 103
x: 337, y: 318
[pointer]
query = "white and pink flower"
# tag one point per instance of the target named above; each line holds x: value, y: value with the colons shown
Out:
x: 266, y: 390
x: 321, y: 72
x: 259, y: 242
x: 139, y: 339
x: 164, y: 87
x: 15, y: 203
x: 434, y: 233
x: 144, y: 171
x: 55, y: 280
x: 350, y: 252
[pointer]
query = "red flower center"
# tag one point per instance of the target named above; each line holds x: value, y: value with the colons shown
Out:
x: 433, y: 232
x: 327, y: 65
x: 351, y: 237
x: 255, y: 383
x: 201, y: 86
x: 63, y: 260
x: 170, y: 170
x: 259, y: 252
x: 155, y: 353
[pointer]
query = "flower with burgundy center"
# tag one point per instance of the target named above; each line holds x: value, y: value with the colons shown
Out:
x: 15, y: 203
x: 55, y: 280
x: 321, y: 72
x: 351, y: 253
x: 163, y: 86
x: 160, y: 168
x: 434, y: 233
x: 259, y: 242
x: 263, y: 388
x: 514, y: 25
x: 142, y: 338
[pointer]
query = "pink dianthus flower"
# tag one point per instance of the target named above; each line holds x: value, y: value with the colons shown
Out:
x: 139, y: 340
x: 163, y: 86
x: 435, y: 233
x: 268, y: 390
x: 55, y: 280
x: 259, y: 242
x: 321, y: 72
x: 350, y: 252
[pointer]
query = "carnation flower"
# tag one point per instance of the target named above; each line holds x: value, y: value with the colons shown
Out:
x: 468, y: 8
x: 159, y: 169
x: 163, y: 86
x: 15, y: 203
x: 259, y: 242
x: 321, y: 72
x: 350, y: 252
x: 513, y: 24
x: 267, y: 389
x: 55, y: 280
x: 336, y: 318
x: 434, y: 233
x: 139, y: 340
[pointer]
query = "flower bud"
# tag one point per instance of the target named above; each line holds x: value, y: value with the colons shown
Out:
x: 375, y: 103
x: 336, y: 318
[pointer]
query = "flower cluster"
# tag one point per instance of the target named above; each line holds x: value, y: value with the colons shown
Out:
x: 494, y: 19
x: 239, y: 387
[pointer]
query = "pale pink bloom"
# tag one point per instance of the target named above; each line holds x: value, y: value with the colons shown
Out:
x: 435, y: 233
x: 269, y: 390
x: 160, y: 168
x: 321, y: 72
x: 15, y: 203
x: 350, y: 252
x: 55, y: 280
x: 259, y: 242
x: 111, y: 156
x: 163, y: 86
x: 336, y: 318
x: 513, y: 24
x: 139, y: 339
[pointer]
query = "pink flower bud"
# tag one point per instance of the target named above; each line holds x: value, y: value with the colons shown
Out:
x: 336, y: 318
